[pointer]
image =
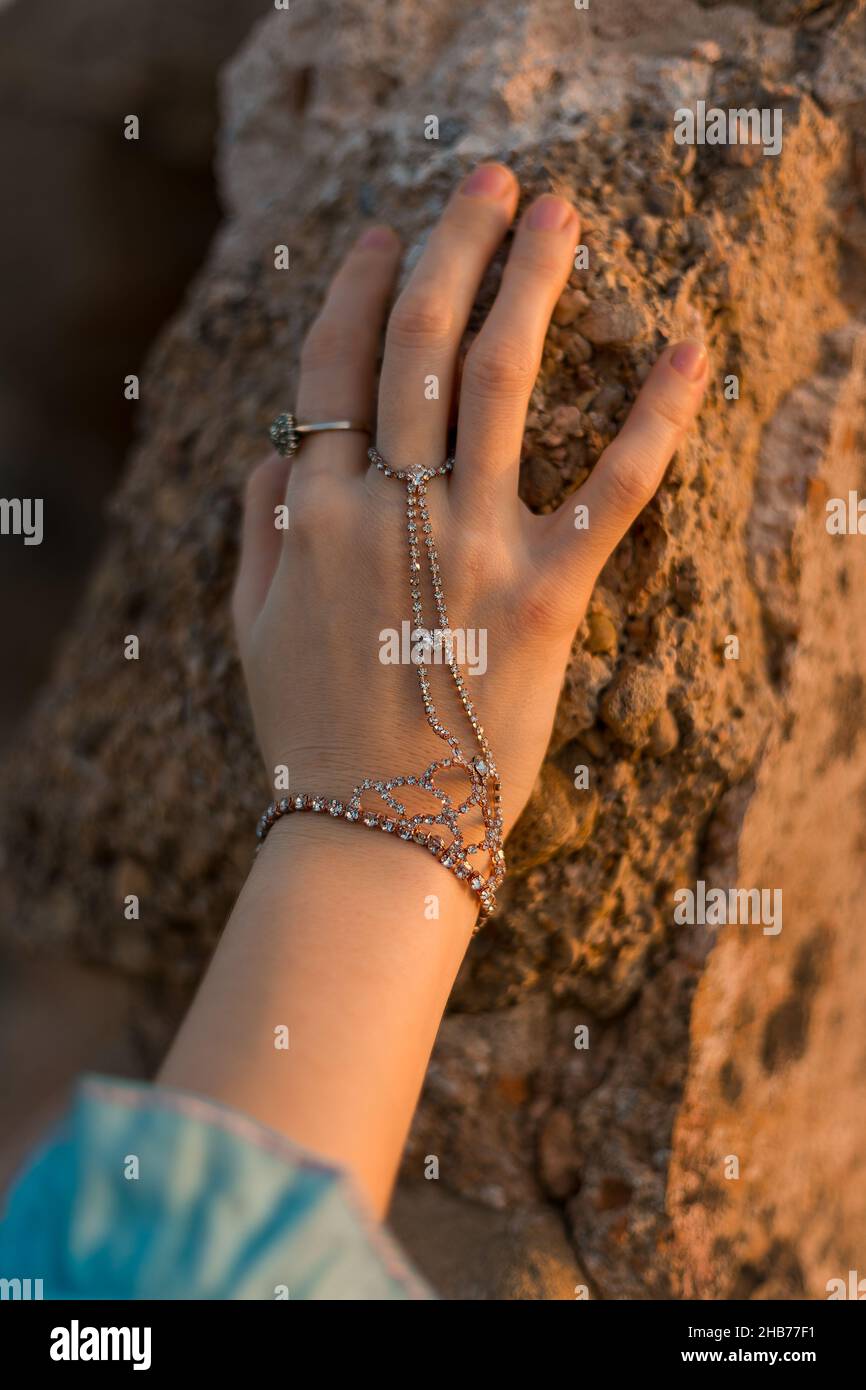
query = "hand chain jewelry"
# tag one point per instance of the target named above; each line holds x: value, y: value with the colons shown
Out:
x: 484, y: 785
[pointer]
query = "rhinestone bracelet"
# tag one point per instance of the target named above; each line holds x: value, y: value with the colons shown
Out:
x: 483, y: 786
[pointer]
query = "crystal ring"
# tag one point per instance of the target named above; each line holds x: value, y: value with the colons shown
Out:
x: 286, y: 434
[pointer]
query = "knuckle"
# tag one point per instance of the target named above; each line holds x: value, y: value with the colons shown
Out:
x: 476, y: 561
x: 539, y: 608
x: 628, y: 484
x: 670, y: 410
x: 328, y: 344
x: 316, y: 504
x: 535, y: 262
x: 421, y: 318
x: 501, y: 370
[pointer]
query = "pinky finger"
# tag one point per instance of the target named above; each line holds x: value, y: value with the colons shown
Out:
x: 261, y: 542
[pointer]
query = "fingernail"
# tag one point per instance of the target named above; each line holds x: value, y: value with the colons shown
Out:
x: 689, y: 358
x: 487, y: 181
x: 549, y: 214
x: 379, y: 238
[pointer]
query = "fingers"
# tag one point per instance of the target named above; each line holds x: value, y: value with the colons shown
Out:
x: 631, y: 468
x: 338, y: 359
x: 431, y: 314
x: 260, y: 543
x: 502, y: 364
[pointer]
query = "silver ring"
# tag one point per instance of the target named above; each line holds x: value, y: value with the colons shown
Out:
x: 286, y: 434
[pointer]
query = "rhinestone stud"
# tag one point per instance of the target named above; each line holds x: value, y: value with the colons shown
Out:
x: 284, y: 436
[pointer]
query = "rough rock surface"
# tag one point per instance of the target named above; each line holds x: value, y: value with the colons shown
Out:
x: 142, y: 776
x: 778, y: 1054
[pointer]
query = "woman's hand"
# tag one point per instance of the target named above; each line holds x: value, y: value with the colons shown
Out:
x: 349, y: 942
x: 311, y: 603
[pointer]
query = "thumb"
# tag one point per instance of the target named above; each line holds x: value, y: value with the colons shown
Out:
x: 629, y: 471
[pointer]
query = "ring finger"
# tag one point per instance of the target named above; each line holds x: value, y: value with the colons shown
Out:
x: 338, y: 358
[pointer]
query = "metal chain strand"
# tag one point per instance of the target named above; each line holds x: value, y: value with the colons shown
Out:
x: 484, y: 787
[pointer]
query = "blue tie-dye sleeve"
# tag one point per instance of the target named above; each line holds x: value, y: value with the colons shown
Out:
x: 145, y: 1192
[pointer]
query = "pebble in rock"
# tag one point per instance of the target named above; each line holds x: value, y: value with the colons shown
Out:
x: 602, y: 634
x: 611, y: 325
x: 664, y: 734
x: 569, y: 306
x: 633, y: 702
x: 579, y: 350
x: 567, y: 419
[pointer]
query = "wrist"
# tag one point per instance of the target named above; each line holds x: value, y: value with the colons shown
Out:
x: 376, y: 868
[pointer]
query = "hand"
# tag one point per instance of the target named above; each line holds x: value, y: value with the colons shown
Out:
x: 331, y: 935
x: 311, y: 602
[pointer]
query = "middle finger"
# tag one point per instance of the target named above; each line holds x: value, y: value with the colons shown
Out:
x: 430, y: 317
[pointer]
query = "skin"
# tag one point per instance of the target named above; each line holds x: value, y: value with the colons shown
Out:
x: 331, y: 935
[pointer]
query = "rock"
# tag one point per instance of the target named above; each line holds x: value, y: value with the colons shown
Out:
x: 475, y: 1115
x: 569, y: 306
x: 664, y: 734
x: 633, y: 702
x: 609, y: 401
x: 776, y: 1060
x: 157, y: 768
x: 551, y: 821
x: 539, y: 482
x: 611, y: 325
x: 559, y: 1162
x: 665, y: 197
x: 567, y: 419
x: 602, y: 634
x: 707, y: 50
x: 579, y: 350
x: 841, y: 78
x: 646, y: 231
x: 587, y: 675
x: 470, y: 1252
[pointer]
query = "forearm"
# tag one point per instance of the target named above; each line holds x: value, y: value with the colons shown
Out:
x: 334, y: 937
